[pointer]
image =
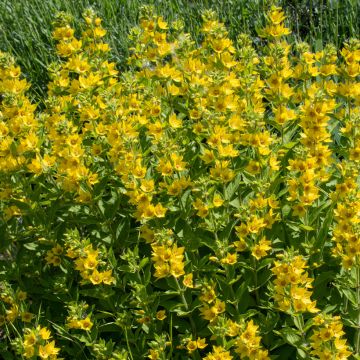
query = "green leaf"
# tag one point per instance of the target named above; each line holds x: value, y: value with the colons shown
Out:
x: 302, y: 354
x: 31, y: 246
x: 232, y: 187
x: 143, y: 262
x: 7, y: 355
x: 98, y: 292
x: 123, y: 230
x: 306, y: 227
x: 185, y: 200
x: 225, y: 234
x: 350, y: 295
x: 290, y: 144
x: 290, y: 336
x: 110, y: 327
x: 286, y: 210
x: 263, y: 263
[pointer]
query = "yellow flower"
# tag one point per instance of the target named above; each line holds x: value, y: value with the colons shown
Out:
x: 174, y: 121
x: 73, y: 323
x: 29, y: 352
x: 159, y: 210
x: 48, y: 350
x: 96, y: 277
x: 201, y: 343
x: 161, y: 23
x: 230, y: 259
x: 90, y: 263
x: 30, y: 339
x: 219, y: 45
x: 154, y: 354
x: 261, y: 249
x: 210, y: 313
x: 85, y: 324
x: 253, y: 167
x: 147, y: 233
x: 276, y: 30
x: 99, y: 32
x: 44, y: 333
x: 26, y: 316
x: 217, y: 200
x: 191, y: 346
x: 240, y: 245
x: 107, y: 277
x: 255, y: 224
x: 161, y: 315
x: 299, y: 210
x: 188, y: 281
x: 21, y: 295
x: 276, y: 15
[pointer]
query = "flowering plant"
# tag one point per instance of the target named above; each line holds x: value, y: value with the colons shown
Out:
x: 202, y: 204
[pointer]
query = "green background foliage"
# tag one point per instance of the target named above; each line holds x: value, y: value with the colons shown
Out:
x: 25, y: 25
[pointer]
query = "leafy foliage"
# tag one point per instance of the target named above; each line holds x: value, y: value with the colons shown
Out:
x: 201, y: 204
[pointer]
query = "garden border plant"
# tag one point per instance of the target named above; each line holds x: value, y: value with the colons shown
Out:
x: 202, y: 204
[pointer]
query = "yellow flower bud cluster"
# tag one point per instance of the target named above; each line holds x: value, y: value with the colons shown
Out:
x: 248, y: 344
x: 275, y: 27
x: 327, y: 340
x: 18, y: 124
x: 14, y: 304
x: 346, y: 232
x: 192, y: 345
x: 212, y: 306
x: 261, y: 213
x: 292, y: 286
x: 219, y: 353
x: 79, y: 317
x: 86, y: 261
x: 36, y: 342
x: 53, y: 255
x: 168, y: 260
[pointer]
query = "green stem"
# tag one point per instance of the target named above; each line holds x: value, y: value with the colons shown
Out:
x: 183, y: 299
x: 127, y: 344
x: 299, y: 322
x: 254, y: 261
x: 228, y: 279
x: 357, y: 337
x: 301, y: 327
x: 307, y: 224
x: 171, y: 335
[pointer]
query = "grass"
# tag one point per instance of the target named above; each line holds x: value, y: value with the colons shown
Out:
x: 25, y: 25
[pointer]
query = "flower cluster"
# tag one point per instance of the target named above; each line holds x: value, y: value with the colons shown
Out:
x: 86, y: 261
x: 15, y: 304
x: 219, y: 353
x: 327, y: 340
x: 168, y: 260
x: 292, y: 285
x: 248, y: 344
x: 78, y: 317
x: 37, y: 342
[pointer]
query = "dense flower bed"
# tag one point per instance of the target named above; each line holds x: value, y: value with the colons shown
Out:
x: 204, y: 204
